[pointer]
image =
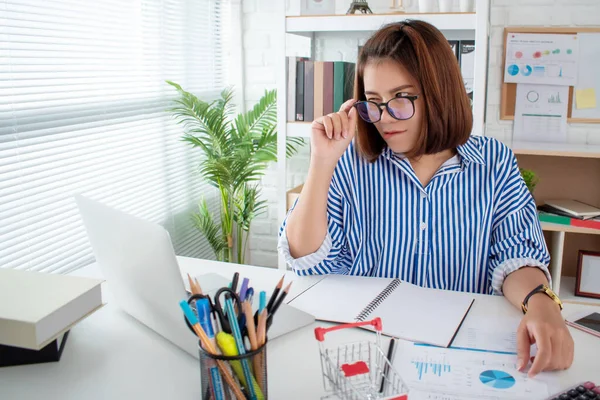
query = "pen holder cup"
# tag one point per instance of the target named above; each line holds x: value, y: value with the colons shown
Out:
x: 215, y: 385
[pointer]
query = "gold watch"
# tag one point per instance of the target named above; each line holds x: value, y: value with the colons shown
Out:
x: 541, y: 289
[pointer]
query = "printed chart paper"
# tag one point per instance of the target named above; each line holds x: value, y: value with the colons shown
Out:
x: 438, y: 374
x: 541, y: 113
x: 548, y: 59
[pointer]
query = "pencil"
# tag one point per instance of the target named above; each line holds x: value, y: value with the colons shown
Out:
x: 275, y: 293
x: 195, y: 289
x: 261, y: 333
x: 198, y: 286
x: 278, y: 304
x: 208, y: 346
x: 253, y: 344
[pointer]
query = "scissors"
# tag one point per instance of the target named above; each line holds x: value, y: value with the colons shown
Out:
x: 217, y: 309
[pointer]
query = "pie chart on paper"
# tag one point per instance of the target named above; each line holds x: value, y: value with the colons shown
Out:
x: 497, y: 379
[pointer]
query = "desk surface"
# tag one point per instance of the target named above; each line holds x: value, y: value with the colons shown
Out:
x: 112, y: 356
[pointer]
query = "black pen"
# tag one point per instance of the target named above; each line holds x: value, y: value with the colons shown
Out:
x: 386, y: 369
x: 234, y: 281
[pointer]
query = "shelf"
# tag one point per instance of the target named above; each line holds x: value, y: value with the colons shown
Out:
x: 567, y: 293
x: 298, y: 129
x: 556, y: 149
x: 548, y: 226
x: 445, y: 22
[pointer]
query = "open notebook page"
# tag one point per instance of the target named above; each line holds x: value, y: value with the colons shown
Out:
x: 340, y: 298
x: 423, y: 315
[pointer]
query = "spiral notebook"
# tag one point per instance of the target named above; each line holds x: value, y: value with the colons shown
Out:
x: 408, y: 311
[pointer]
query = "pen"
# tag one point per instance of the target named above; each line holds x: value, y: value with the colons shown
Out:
x: 386, y: 369
x: 244, y: 289
x: 203, y: 307
x: 207, y: 344
x: 275, y: 293
x: 235, y: 329
x: 278, y: 304
x: 234, y: 281
x: 250, y: 295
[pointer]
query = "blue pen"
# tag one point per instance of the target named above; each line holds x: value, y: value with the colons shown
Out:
x: 250, y: 295
x: 244, y: 289
x: 203, y: 307
x: 239, y: 342
x: 262, y: 301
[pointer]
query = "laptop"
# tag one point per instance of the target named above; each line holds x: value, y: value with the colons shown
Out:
x: 138, y: 261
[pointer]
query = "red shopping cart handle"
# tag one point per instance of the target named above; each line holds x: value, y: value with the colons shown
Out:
x: 320, y: 332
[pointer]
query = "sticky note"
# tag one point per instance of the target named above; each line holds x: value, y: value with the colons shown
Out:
x: 585, y: 98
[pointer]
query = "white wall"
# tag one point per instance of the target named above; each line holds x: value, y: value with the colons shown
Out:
x: 550, y: 13
x: 261, y: 36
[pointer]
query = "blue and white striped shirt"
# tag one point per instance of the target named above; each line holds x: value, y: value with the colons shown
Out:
x: 472, y: 225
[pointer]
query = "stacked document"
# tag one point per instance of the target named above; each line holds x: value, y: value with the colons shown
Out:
x: 36, y: 308
x: 407, y: 311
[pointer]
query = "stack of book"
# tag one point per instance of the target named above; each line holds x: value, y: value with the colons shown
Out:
x: 37, y: 311
x: 570, y: 212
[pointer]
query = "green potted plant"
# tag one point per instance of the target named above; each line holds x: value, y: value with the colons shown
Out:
x: 236, y: 151
x: 531, y: 179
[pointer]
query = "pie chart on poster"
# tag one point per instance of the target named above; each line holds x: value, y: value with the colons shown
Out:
x: 497, y: 379
x: 526, y: 70
x: 513, y: 69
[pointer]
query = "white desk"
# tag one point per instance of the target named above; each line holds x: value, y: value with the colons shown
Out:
x: 112, y: 356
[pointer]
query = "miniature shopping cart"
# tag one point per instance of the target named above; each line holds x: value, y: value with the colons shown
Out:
x: 359, y: 371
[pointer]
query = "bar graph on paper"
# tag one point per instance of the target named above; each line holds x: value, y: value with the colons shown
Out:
x: 424, y: 368
x: 466, y: 374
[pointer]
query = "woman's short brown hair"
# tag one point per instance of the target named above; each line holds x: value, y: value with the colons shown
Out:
x: 426, y: 55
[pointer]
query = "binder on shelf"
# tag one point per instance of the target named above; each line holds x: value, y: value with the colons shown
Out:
x: 300, y: 91
x: 309, y: 91
x: 467, y: 64
x: 318, y: 86
x: 328, y: 88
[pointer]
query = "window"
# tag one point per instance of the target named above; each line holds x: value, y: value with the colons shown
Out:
x: 83, y: 103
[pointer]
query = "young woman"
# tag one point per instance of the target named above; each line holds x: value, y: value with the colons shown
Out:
x: 398, y: 188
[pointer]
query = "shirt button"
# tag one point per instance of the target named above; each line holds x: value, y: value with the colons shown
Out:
x: 423, y: 226
x: 423, y: 195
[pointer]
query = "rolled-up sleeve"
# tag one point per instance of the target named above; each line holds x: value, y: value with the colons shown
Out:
x: 330, y: 257
x: 517, y: 239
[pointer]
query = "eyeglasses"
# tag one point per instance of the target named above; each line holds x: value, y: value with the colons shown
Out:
x: 400, y: 108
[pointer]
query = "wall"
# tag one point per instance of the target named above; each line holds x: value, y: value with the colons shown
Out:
x: 261, y: 36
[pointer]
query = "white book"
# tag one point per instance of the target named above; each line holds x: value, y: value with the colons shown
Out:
x: 36, y: 308
x: 291, y: 88
x: 407, y: 311
x: 575, y: 208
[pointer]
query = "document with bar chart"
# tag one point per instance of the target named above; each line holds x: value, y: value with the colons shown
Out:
x: 446, y: 374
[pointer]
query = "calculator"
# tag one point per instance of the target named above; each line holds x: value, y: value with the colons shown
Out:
x: 583, y: 391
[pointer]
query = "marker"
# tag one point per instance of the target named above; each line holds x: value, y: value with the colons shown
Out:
x: 244, y: 289
x: 262, y: 301
x: 203, y: 307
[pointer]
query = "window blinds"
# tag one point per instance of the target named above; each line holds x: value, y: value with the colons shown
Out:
x: 83, y: 104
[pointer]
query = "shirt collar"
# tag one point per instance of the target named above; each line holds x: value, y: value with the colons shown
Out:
x: 467, y: 152
x: 470, y: 152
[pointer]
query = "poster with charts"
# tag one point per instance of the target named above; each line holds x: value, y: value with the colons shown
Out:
x: 541, y: 113
x: 436, y: 373
x: 549, y: 59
